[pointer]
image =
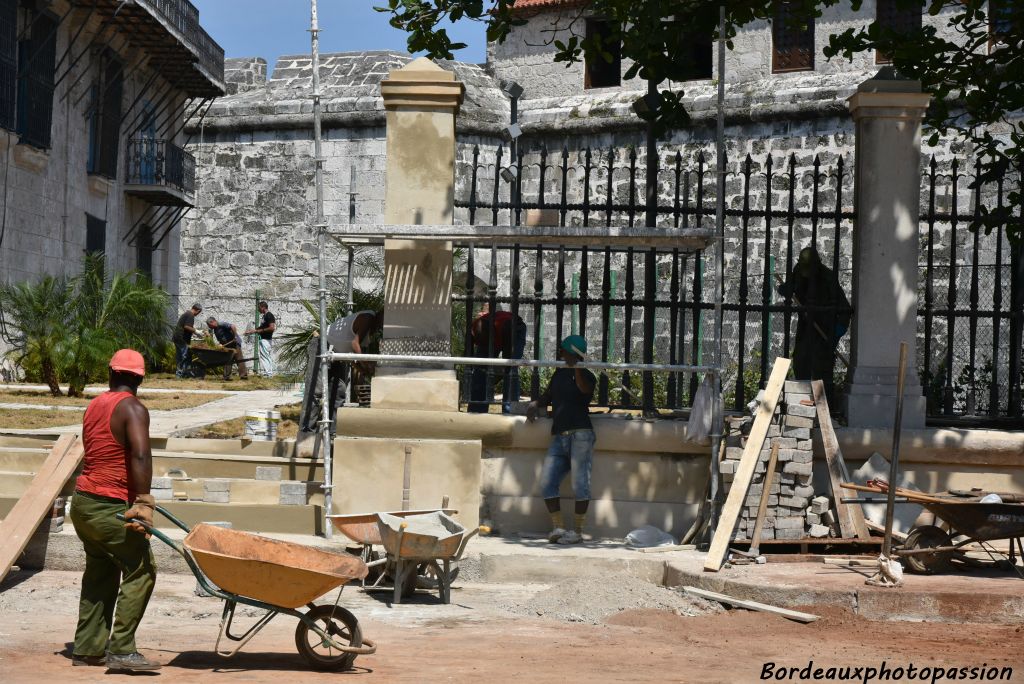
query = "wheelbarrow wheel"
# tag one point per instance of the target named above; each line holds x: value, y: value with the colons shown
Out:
x: 927, y: 537
x: 341, y: 625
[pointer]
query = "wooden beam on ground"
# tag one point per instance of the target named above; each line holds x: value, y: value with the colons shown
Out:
x: 30, y: 510
x: 751, y: 605
x: 745, y: 471
x: 850, y: 517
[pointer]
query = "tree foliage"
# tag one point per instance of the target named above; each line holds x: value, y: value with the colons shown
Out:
x: 66, y: 329
x: 975, y: 74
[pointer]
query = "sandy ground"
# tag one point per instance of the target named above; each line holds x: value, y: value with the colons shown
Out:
x: 478, y: 636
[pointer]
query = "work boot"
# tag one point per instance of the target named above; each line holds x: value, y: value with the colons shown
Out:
x: 85, y: 660
x: 556, y: 534
x: 131, y: 662
x: 571, y: 537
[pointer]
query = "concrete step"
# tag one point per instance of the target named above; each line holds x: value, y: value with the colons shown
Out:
x: 238, y: 491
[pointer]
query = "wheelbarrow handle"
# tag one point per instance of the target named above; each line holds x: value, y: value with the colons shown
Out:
x: 153, y: 531
x: 167, y: 514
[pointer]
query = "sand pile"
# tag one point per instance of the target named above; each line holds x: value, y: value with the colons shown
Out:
x: 593, y: 599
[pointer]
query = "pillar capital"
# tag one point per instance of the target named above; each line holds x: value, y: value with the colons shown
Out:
x: 421, y: 83
x: 887, y: 98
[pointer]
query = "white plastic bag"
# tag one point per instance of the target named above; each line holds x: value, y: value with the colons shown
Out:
x: 649, y: 536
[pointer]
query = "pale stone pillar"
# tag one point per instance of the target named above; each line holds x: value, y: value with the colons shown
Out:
x: 886, y: 244
x: 421, y: 101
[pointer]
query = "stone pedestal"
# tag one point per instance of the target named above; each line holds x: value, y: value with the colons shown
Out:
x: 888, y: 117
x: 421, y: 102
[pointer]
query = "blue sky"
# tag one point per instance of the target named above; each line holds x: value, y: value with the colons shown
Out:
x: 269, y: 28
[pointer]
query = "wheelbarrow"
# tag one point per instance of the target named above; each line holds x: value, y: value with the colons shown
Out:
x: 205, y: 359
x: 929, y: 549
x: 278, y: 577
x: 433, y: 540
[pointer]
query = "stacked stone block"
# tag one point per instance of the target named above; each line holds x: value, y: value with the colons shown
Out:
x: 794, y: 512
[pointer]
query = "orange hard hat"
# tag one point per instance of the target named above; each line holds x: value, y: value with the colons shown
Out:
x: 129, y: 361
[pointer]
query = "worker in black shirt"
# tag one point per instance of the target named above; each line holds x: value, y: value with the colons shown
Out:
x: 572, y: 442
x: 182, y: 337
x: 265, y: 342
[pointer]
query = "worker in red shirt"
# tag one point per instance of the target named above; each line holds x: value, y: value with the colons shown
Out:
x: 509, y: 343
x: 119, y: 568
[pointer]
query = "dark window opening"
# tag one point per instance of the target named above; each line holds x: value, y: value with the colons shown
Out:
x: 602, y: 72
x: 894, y: 16
x: 1001, y: 21
x: 699, y: 57
x: 144, y: 251
x: 105, y: 118
x: 37, y: 57
x: 792, y: 41
x: 95, y: 235
x: 8, y: 62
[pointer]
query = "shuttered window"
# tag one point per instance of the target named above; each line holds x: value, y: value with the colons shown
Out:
x: 105, y: 117
x: 792, y: 41
x: 37, y: 56
x: 602, y: 73
x: 896, y: 16
x: 8, y: 62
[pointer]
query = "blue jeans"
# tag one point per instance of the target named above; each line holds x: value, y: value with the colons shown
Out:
x: 573, y: 451
x: 182, y: 360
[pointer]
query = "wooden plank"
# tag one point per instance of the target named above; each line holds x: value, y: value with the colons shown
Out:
x: 850, y: 517
x: 751, y: 605
x: 666, y: 549
x: 769, y: 476
x: 37, y: 501
x: 898, y: 536
x: 745, y: 471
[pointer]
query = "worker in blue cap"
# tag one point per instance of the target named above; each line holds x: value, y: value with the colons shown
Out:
x: 572, y: 442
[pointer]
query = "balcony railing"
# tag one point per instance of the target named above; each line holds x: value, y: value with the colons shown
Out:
x: 161, y: 166
x: 184, y: 17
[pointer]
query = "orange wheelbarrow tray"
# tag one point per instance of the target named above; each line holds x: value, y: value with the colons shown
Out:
x: 277, y: 577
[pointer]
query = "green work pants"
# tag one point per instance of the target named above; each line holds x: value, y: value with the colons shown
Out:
x: 119, y: 571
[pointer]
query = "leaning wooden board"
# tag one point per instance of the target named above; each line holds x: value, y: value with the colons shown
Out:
x: 745, y: 471
x: 37, y: 501
x: 752, y: 605
x: 850, y: 517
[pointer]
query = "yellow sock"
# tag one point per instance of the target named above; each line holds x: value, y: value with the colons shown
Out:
x: 556, y: 520
x: 580, y: 518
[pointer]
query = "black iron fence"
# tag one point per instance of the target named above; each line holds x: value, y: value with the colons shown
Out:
x: 160, y: 163
x: 774, y: 207
x: 183, y: 16
x: 971, y: 304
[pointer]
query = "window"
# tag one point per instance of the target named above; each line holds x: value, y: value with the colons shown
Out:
x: 95, y: 235
x: 792, y: 41
x: 699, y: 58
x: 893, y: 15
x: 1000, y: 21
x: 8, y: 61
x: 144, y: 251
x: 601, y: 73
x: 105, y: 117
x: 37, y: 55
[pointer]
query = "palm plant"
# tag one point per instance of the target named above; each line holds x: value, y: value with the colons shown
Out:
x: 292, y: 347
x: 40, y: 315
x: 126, y: 311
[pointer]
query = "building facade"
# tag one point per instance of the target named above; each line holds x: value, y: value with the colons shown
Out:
x: 93, y: 100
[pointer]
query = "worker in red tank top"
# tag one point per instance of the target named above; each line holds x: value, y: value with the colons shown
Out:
x: 119, y: 571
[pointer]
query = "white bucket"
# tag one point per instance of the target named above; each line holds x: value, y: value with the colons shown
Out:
x: 262, y: 425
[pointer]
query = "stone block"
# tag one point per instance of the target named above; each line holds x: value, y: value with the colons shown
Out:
x: 805, y: 491
x: 798, y: 469
x: 733, y: 453
x: 797, y: 409
x: 802, y: 480
x: 727, y: 467
x: 268, y: 472
x: 828, y: 518
x: 798, y: 397
x: 802, y: 456
x: 820, y: 504
x: 217, y: 497
x: 789, y: 534
x: 799, y: 422
x: 796, y: 502
x: 161, y: 483
x: 818, y: 531
x: 812, y: 518
x: 293, y: 493
x: 798, y: 387
x: 773, y: 431
x: 805, y: 444
x: 786, y: 455
x: 799, y: 433
x: 789, y: 523
x: 216, y: 485
x: 162, y: 494
x: 784, y: 443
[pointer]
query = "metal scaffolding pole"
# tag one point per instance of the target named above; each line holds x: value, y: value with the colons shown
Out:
x: 321, y: 228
